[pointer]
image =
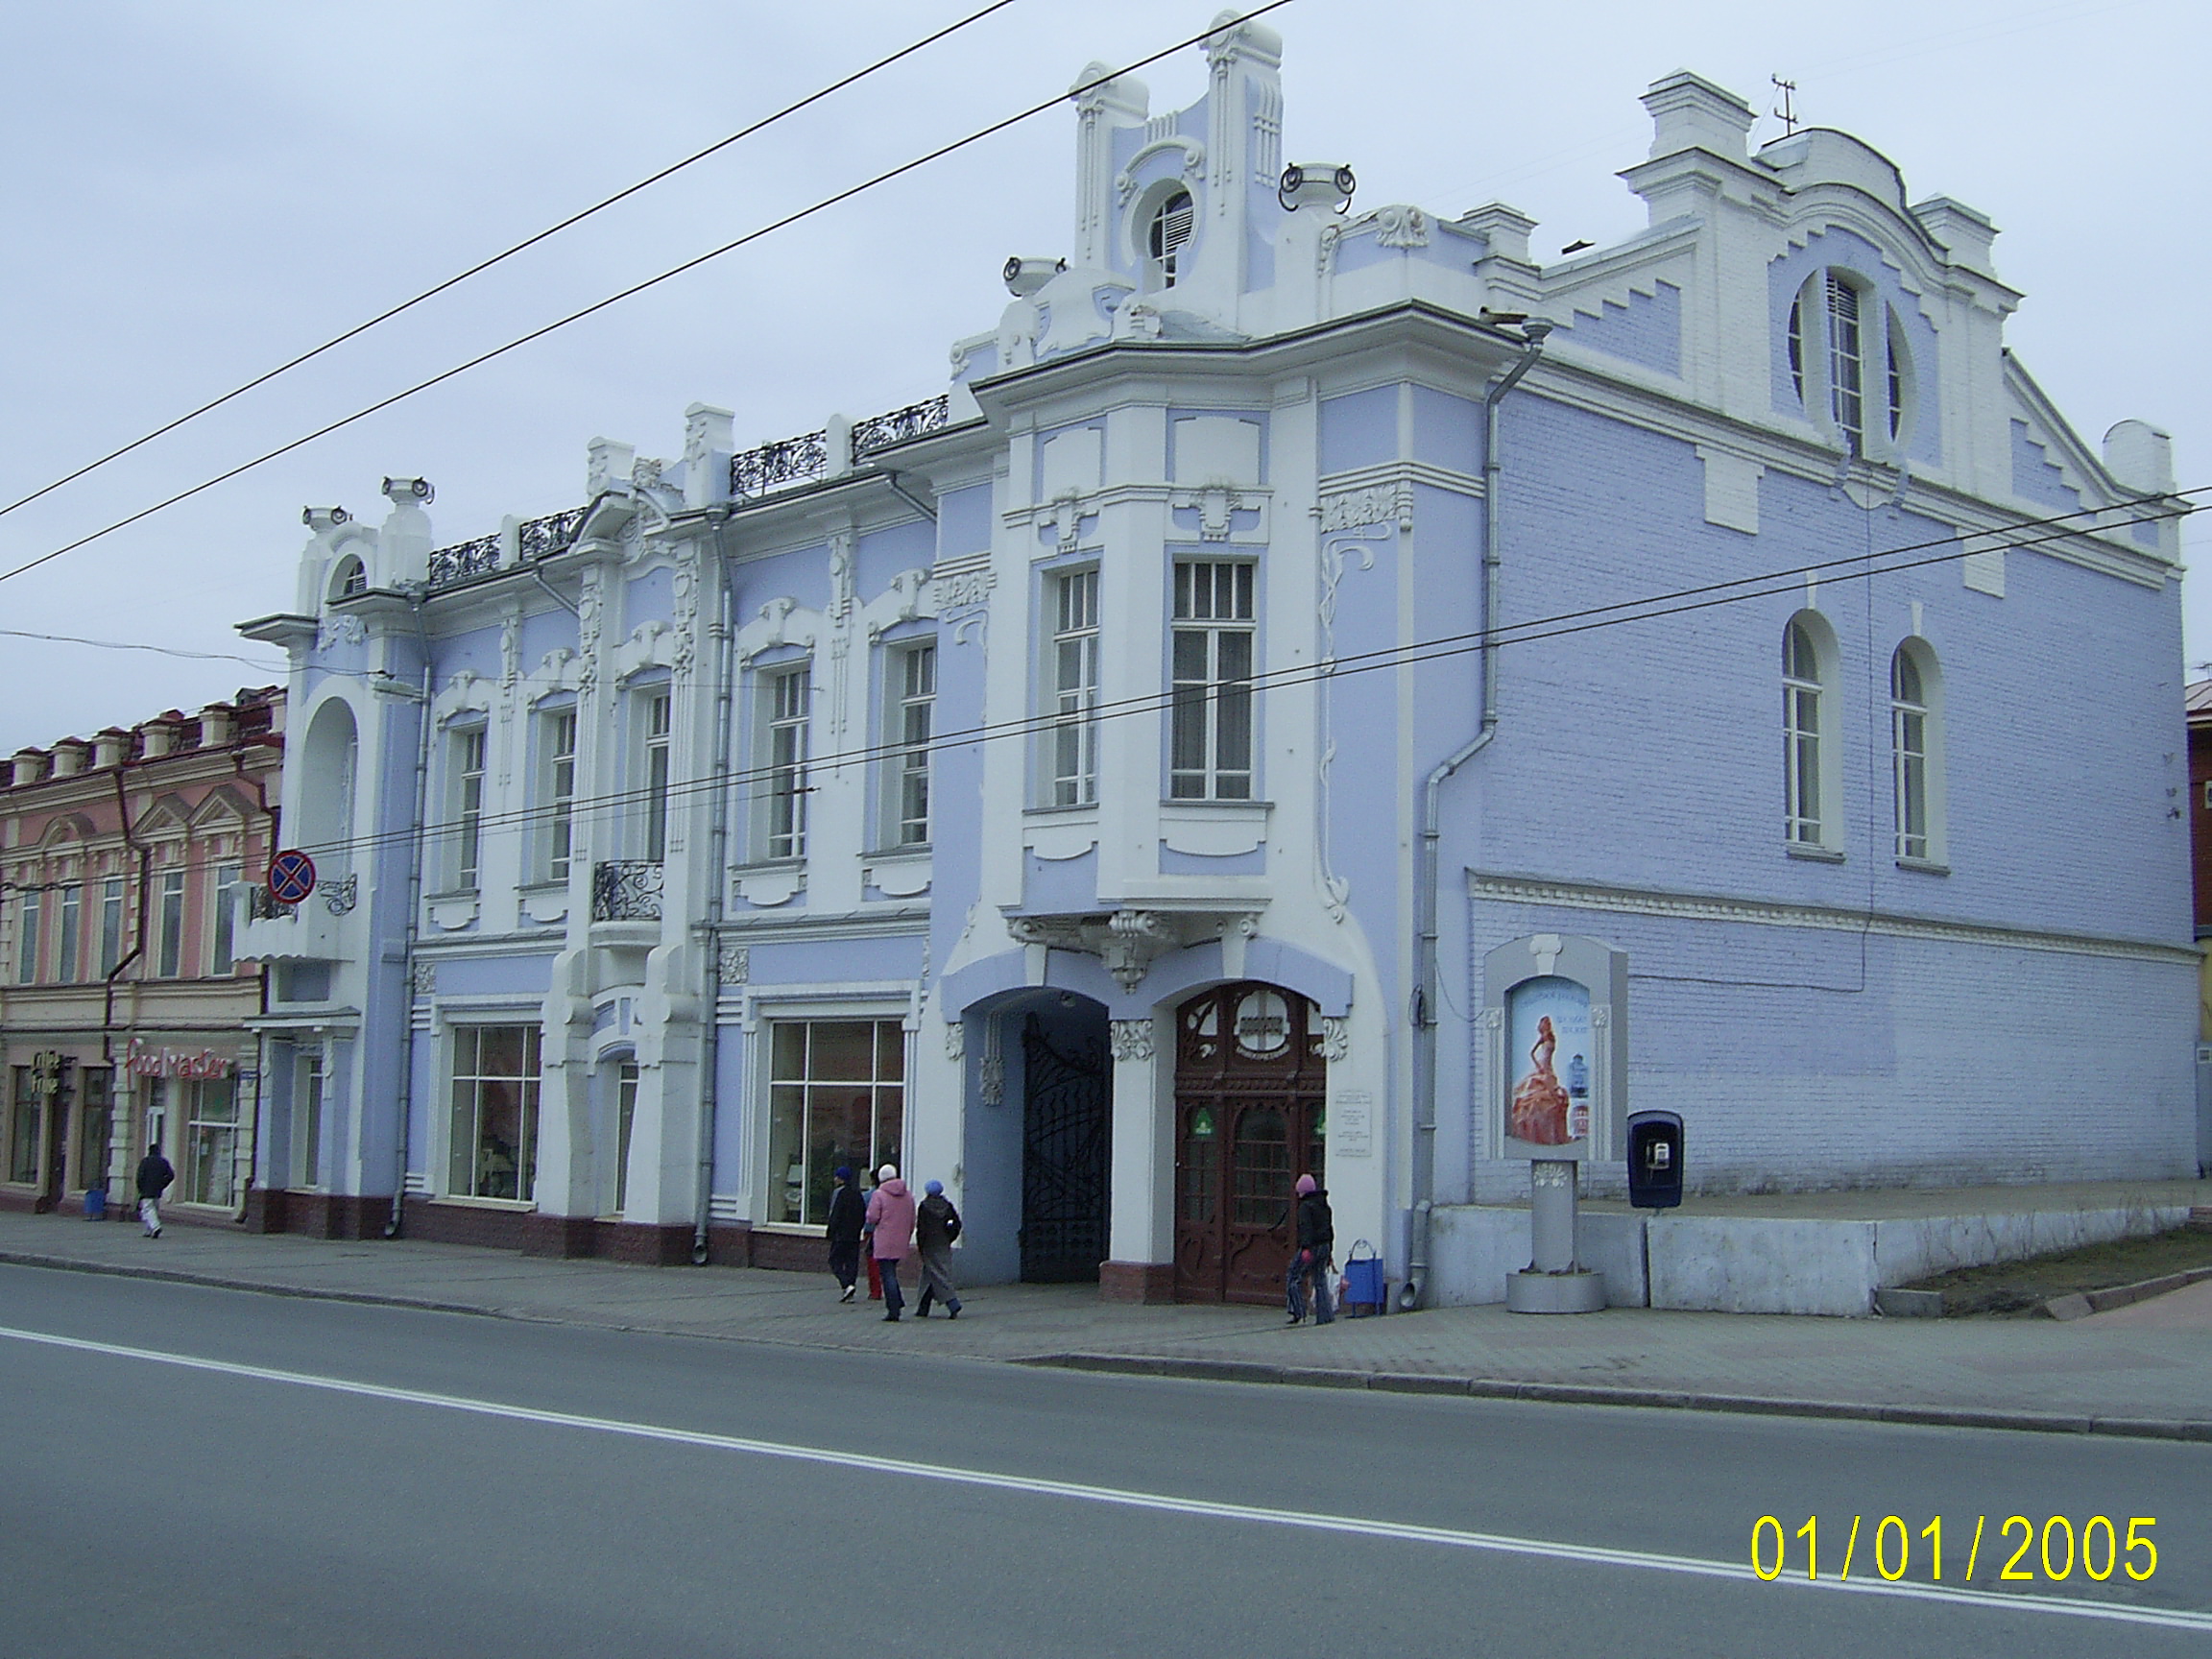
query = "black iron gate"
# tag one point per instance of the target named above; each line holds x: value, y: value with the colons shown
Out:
x: 1065, y: 1142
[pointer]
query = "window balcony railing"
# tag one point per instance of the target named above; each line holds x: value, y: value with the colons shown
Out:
x: 626, y: 890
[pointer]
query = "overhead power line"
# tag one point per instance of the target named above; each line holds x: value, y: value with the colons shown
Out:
x: 1654, y: 607
x: 506, y: 254
x: 789, y: 219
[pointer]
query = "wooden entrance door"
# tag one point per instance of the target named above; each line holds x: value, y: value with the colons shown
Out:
x: 1250, y: 1086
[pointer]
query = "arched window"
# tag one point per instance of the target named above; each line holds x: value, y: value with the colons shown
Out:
x: 350, y: 578
x: 1174, y: 223
x: 1847, y: 349
x: 1916, y: 689
x: 1805, y: 760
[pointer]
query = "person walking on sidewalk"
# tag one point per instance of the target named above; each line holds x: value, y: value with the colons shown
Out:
x: 890, y: 1234
x: 936, y: 1224
x: 154, y: 1174
x: 1315, y: 1255
x: 847, y: 1215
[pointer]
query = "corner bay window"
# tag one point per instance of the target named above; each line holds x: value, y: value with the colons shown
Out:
x: 1075, y: 728
x: 1209, y: 739
x: 836, y: 1094
x: 494, y: 1152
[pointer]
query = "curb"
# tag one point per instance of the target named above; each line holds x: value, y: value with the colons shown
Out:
x: 2084, y: 1302
x: 1587, y: 1394
x: 1262, y: 1372
x: 217, y: 1282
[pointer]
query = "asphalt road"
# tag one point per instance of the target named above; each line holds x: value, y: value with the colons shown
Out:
x: 193, y: 1472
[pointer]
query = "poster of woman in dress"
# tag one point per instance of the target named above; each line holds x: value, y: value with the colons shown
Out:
x: 1550, y: 1023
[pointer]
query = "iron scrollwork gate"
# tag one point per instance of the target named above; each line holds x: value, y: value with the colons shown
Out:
x: 1066, y: 1146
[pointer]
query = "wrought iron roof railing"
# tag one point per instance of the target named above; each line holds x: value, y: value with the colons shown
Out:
x: 753, y: 472
x: 542, y: 538
x: 806, y: 457
x: 450, y: 565
x: 786, y: 461
x: 900, y: 425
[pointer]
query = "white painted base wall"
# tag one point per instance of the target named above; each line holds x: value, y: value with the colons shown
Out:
x: 1762, y: 1265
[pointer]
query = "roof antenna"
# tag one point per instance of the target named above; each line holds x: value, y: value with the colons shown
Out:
x: 1788, y: 113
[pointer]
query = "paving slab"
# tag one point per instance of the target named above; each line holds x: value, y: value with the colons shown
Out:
x: 2141, y: 1370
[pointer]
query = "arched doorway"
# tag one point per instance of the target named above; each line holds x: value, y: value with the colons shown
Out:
x: 1250, y: 1089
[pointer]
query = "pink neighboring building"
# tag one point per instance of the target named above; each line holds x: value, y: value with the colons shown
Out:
x: 124, y: 1005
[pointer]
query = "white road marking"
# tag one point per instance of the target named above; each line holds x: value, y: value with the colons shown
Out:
x: 1397, y: 1531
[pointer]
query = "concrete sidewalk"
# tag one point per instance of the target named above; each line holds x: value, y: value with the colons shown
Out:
x: 2134, y: 1372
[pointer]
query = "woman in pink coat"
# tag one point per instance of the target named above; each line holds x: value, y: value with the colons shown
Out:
x: 891, y: 1232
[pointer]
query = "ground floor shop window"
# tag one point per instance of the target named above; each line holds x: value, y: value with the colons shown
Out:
x: 495, y: 1147
x: 210, y: 1141
x: 25, y: 1119
x: 836, y: 1096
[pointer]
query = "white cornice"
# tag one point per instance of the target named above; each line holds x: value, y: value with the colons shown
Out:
x: 1820, y: 918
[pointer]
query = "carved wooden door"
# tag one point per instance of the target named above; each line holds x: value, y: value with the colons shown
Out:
x: 1250, y: 1088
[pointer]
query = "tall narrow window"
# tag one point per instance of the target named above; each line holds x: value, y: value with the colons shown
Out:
x: 657, y: 718
x: 171, y: 961
x: 1209, y: 741
x: 111, y: 924
x: 1074, y: 733
x: 560, y: 788
x: 1174, y: 223
x: 1801, y: 737
x: 625, y: 1121
x: 1894, y: 351
x: 27, y: 919
x: 227, y: 883
x: 70, y: 921
x: 1846, y: 363
x: 787, y: 764
x: 916, y: 715
x: 468, y: 753
x: 1916, y: 750
x: 1797, y: 347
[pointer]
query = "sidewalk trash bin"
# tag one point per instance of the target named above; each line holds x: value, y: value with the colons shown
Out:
x: 1362, y: 1281
x: 95, y: 1203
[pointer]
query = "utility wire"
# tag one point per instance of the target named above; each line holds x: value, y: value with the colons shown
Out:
x: 1563, y: 624
x: 135, y: 645
x: 484, y: 265
x: 597, y: 305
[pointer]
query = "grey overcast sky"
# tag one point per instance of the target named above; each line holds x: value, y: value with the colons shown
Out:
x: 196, y: 192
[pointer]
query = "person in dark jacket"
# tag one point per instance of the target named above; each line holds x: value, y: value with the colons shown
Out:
x: 154, y: 1174
x: 1314, y: 1256
x: 936, y: 1224
x: 847, y: 1215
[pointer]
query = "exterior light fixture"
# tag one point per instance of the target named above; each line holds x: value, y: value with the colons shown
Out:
x: 1025, y: 277
x: 415, y: 489
x: 1316, y: 184
x: 324, y: 518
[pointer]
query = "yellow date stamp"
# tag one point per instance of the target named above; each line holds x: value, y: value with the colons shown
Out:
x: 2097, y: 1547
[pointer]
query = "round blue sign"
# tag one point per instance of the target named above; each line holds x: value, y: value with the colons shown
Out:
x: 291, y: 876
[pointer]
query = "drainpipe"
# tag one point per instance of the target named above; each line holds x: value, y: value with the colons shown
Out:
x: 137, y: 949
x: 1415, y: 1290
x: 399, y: 1215
x: 269, y: 846
x: 709, y: 929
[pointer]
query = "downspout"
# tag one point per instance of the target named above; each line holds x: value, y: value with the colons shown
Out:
x: 137, y: 949
x: 1415, y: 1290
x: 393, y: 1225
x: 269, y: 815
x: 709, y: 929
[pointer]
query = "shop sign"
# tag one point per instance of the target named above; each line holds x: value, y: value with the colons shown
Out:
x: 148, y: 1062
